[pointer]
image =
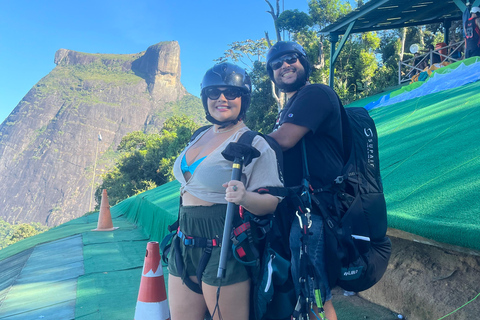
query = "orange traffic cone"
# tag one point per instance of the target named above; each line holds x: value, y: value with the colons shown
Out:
x: 152, y: 296
x: 104, y: 217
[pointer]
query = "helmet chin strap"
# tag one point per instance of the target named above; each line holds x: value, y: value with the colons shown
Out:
x: 222, y: 124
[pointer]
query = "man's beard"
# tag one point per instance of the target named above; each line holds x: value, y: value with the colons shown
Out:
x: 297, y: 84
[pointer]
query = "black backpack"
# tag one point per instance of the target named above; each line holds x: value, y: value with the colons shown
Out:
x: 356, y: 245
x: 261, y: 244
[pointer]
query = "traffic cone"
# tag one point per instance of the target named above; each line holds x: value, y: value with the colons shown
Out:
x: 152, y: 296
x: 104, y: 217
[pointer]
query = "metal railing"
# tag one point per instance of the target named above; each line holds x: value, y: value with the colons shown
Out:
x: 408, y: 68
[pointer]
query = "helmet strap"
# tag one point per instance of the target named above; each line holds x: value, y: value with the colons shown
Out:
x: 222, y: 124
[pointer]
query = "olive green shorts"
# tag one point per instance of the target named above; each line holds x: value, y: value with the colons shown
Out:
x: 205, y: 222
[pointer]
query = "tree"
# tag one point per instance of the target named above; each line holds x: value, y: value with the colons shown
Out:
x: 241, y: 51
x: 11, y: 233
x: 146, y: 160
x: 275, y: 14
x: 263, y: 109
x: 325, y: 12
x: 293, y: 21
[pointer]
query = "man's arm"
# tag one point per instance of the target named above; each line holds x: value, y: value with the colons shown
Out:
x: 288, y: 135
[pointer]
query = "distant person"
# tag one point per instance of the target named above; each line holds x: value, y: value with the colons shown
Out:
x: 455, y: 50
x: 435, y: 57
x: 206, y: 188
x: 472, y: 34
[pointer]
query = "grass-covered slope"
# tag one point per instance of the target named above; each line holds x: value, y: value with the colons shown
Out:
x: 430, y: 163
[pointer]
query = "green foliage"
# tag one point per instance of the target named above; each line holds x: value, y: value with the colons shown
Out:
x: 263, y: 108
x: 146, y: 160
x: 11, y: 233
x: 325, y: 12
x: 245, y: 52
x: 293, y: 21
x: 189, y: 105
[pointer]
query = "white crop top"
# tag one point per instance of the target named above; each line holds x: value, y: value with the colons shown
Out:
x: 206, y: 182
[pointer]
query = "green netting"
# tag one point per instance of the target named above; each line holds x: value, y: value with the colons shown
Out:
x: 363, y: 102
x: 430, y: 162
x: 45, y: 284
x: 114, y: 256
x: 76, y: 226
x: 108, y: 295
x: 155, y: 209
x: 407, y: 88
x: 62, y: 231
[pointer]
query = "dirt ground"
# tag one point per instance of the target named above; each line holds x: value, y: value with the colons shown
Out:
x: 422, y: 282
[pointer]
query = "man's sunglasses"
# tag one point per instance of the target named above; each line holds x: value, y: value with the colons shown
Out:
x: 229, y: 94
x: 288, y: 58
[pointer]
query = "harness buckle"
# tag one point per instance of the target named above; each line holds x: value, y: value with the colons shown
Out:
x: 309, y: 220
x: 339, y: 179
x: 189, y: 242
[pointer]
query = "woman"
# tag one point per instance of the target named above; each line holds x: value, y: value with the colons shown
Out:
x: 204, y: 175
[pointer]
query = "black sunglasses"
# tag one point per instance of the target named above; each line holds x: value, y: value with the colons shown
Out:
x: 288, y: 58
x: 229, y: 93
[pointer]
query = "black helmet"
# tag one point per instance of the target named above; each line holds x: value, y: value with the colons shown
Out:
x: 226, y: 74
x: 283, y: 47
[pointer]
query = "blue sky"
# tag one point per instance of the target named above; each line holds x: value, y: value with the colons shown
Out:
x: 32, y: 31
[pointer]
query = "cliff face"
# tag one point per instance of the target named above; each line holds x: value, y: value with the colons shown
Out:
x: 50, y: 146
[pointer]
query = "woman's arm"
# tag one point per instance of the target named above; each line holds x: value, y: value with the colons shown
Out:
x: 258, y: 204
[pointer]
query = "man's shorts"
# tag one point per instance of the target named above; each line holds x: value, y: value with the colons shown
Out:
x: 206, y: 222
x: 316, y: 251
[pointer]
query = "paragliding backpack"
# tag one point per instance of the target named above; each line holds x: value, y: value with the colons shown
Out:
x: 258, y: 242
x: 356, y: 244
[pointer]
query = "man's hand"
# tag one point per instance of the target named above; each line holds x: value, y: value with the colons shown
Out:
x: 288, y: 135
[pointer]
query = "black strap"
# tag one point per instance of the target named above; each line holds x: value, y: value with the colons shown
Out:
x: 198, y: 131
x: 195, y: 287
x: 306, y: 173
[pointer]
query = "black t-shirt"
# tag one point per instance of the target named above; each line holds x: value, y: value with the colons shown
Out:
x: 472, y: 36
x: 316, y: 107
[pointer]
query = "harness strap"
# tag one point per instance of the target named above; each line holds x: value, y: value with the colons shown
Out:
x: 197, y: 242
x: 195, y: 287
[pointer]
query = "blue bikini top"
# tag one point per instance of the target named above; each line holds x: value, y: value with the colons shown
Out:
x: 186, y: 168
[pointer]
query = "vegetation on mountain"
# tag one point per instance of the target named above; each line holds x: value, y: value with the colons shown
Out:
x: 146, y: 160
x: 11, y: 233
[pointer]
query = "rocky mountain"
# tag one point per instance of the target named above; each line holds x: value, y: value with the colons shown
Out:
x: 56, y: 142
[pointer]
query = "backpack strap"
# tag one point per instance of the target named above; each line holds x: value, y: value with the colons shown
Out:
x: 198, y: 131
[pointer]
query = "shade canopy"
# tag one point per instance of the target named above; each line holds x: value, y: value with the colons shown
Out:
x: 394, y: 14
x: 378, y: 15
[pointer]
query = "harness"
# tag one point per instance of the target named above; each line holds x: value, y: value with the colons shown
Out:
x: 189, y: 241
x: 249, y: 230
x: 301, y: 197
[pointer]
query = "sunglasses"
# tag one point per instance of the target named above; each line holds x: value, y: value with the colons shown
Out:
x: 288, y: 58
x: 229, y: 94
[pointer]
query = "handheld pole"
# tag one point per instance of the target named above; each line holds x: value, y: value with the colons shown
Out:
x: 236, y: 175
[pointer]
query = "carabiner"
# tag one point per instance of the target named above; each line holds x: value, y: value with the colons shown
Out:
x: 299, y: 220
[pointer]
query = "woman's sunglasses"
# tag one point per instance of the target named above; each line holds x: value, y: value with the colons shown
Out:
x: 288, y: 58
x: 229, y: 94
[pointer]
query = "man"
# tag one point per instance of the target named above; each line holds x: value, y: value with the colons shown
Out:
x: 313, y: 113
x: 472, y: 34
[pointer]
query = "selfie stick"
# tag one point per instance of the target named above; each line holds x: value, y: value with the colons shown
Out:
x: 236, y: 175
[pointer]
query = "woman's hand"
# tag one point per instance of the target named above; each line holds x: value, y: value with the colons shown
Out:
x: 235, y: 192
x: 259, y: 204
